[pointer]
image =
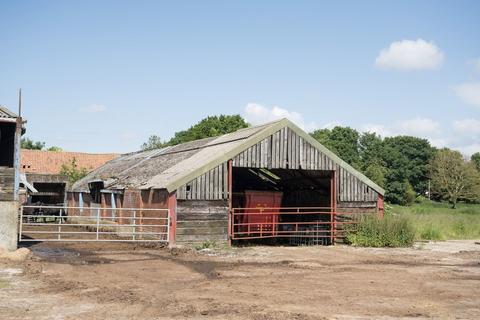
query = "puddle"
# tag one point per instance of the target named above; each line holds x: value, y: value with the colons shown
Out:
x: 67, y: 256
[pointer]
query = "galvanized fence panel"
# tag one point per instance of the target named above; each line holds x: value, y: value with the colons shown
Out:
x: 88, y: 224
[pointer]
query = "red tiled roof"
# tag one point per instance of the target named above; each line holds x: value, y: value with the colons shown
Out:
x: 50, y: 162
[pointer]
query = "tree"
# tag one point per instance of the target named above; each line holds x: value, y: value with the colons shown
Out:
x: 154, y: 142
x: 209, y: 127
x: 370, y: 150
x: 54, y: 148
x: 376, y: 173
x: 26, y: 143
x: 343, y: 141
x: 73, y: 172
x: 475, y: 158
x: 407, y: 159
x: 453, y: 178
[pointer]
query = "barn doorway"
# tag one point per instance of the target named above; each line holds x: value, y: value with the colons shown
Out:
x: 282, y: 206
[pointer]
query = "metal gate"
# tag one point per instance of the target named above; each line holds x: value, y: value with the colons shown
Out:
x: 84, y: 224
x: 303, y: 225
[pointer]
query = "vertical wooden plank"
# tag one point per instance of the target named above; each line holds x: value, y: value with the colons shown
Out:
x: 289, y: 147
x: 225, y: 181
x: 273, y: 148
x: 194, y: 189
x: 285, y: 147
x: 269, y: 152
x: 280, y: 149
x: 294, y: 150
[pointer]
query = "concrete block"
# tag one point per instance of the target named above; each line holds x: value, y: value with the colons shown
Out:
x: 8, y: 225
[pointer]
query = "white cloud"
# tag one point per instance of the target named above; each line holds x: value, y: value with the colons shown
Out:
x: 418, y: 126
x: 408, y: 55
x: 379, y: 129
x: 467, y: 126
x: 256, y: 114
x: 93, y: 108
x: 469, y: 92
x: 331, y: 125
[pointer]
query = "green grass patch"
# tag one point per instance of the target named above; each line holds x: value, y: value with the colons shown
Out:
x: 437, y: 221
x: 391, y: 231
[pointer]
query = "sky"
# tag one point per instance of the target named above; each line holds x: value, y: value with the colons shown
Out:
x: 102, y: 76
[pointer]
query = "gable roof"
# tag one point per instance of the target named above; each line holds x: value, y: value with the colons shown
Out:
x: 171, y: 167
x: 6, y: 114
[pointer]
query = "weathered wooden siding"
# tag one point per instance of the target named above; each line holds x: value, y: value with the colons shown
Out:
x: 212, y: 185
x: 286, y: 150
x: 199, y: 221
x: 282, y: 150
x: 7, y: 182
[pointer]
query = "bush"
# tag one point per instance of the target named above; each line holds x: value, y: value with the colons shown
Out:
x: 390, y: 231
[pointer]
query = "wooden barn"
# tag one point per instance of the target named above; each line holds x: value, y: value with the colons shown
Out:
x: 270, y: 182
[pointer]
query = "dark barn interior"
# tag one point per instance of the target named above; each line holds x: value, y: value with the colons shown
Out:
x: 282, y: 203
x: 7, y: 143
x: 48, y: 193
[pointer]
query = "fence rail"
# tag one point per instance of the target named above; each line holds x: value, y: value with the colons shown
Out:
x: 88, y: 224
x: 307, y: 225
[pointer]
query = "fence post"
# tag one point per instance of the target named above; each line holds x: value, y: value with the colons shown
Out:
x: 20, y: 227
x: 98, y: 221
x: 134, y: 224
x: 59, y: 225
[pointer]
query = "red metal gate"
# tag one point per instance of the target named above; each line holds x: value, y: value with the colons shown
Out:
x: 322, y: 223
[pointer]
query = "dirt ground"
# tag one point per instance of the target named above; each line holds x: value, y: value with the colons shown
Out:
x: 118, y: 281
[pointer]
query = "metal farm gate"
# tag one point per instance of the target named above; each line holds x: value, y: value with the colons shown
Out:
x: 88, y: 224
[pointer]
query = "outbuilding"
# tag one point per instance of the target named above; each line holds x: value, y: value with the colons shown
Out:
x: 270, y: 182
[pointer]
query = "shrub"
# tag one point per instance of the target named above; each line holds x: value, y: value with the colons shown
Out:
x: 390, y: 231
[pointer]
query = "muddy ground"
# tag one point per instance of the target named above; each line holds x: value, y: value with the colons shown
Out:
x: 118, y: 281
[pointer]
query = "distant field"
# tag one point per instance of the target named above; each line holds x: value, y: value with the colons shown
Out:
x: 437, y: 221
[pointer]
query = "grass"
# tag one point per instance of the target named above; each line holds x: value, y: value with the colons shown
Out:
x: 437, y: 221
x: 392, y: 231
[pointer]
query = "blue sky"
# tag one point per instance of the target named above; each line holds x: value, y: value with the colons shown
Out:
x: 101, y: 76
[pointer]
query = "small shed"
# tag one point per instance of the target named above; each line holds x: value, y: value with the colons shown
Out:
x: 272, y: 181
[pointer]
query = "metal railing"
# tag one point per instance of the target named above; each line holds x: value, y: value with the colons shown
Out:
x: 321, y: 225
x: 84, y: 224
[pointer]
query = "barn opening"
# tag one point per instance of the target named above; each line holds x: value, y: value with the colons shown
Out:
x: 48, y: 193
x: 290, y: 206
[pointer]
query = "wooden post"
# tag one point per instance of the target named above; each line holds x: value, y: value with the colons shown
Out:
x: 380, y: 206
x: 230, y: 196
x: 172, y: 209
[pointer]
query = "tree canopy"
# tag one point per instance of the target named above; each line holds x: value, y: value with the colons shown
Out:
x: 209, y: 127
x: 453, y: 178
x: 343, y: 141
x: 27, y: 143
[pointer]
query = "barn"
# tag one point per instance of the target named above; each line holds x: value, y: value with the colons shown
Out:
x: 272, y: 182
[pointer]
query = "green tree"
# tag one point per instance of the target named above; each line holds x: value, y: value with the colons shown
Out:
x: 407, y: 159
x: 54, y: 148
x: 370, y: 149
x: 453, y: 178
x: 343, y: 141
x: 154, y: 142
x: 26, y: 143
x: 73, y: 172
x: 475, y: 158
x: 376, y: 173
x: 209, y: 127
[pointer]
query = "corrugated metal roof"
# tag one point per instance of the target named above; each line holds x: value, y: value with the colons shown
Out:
x: 7, y: 114
x: 171, y: 167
